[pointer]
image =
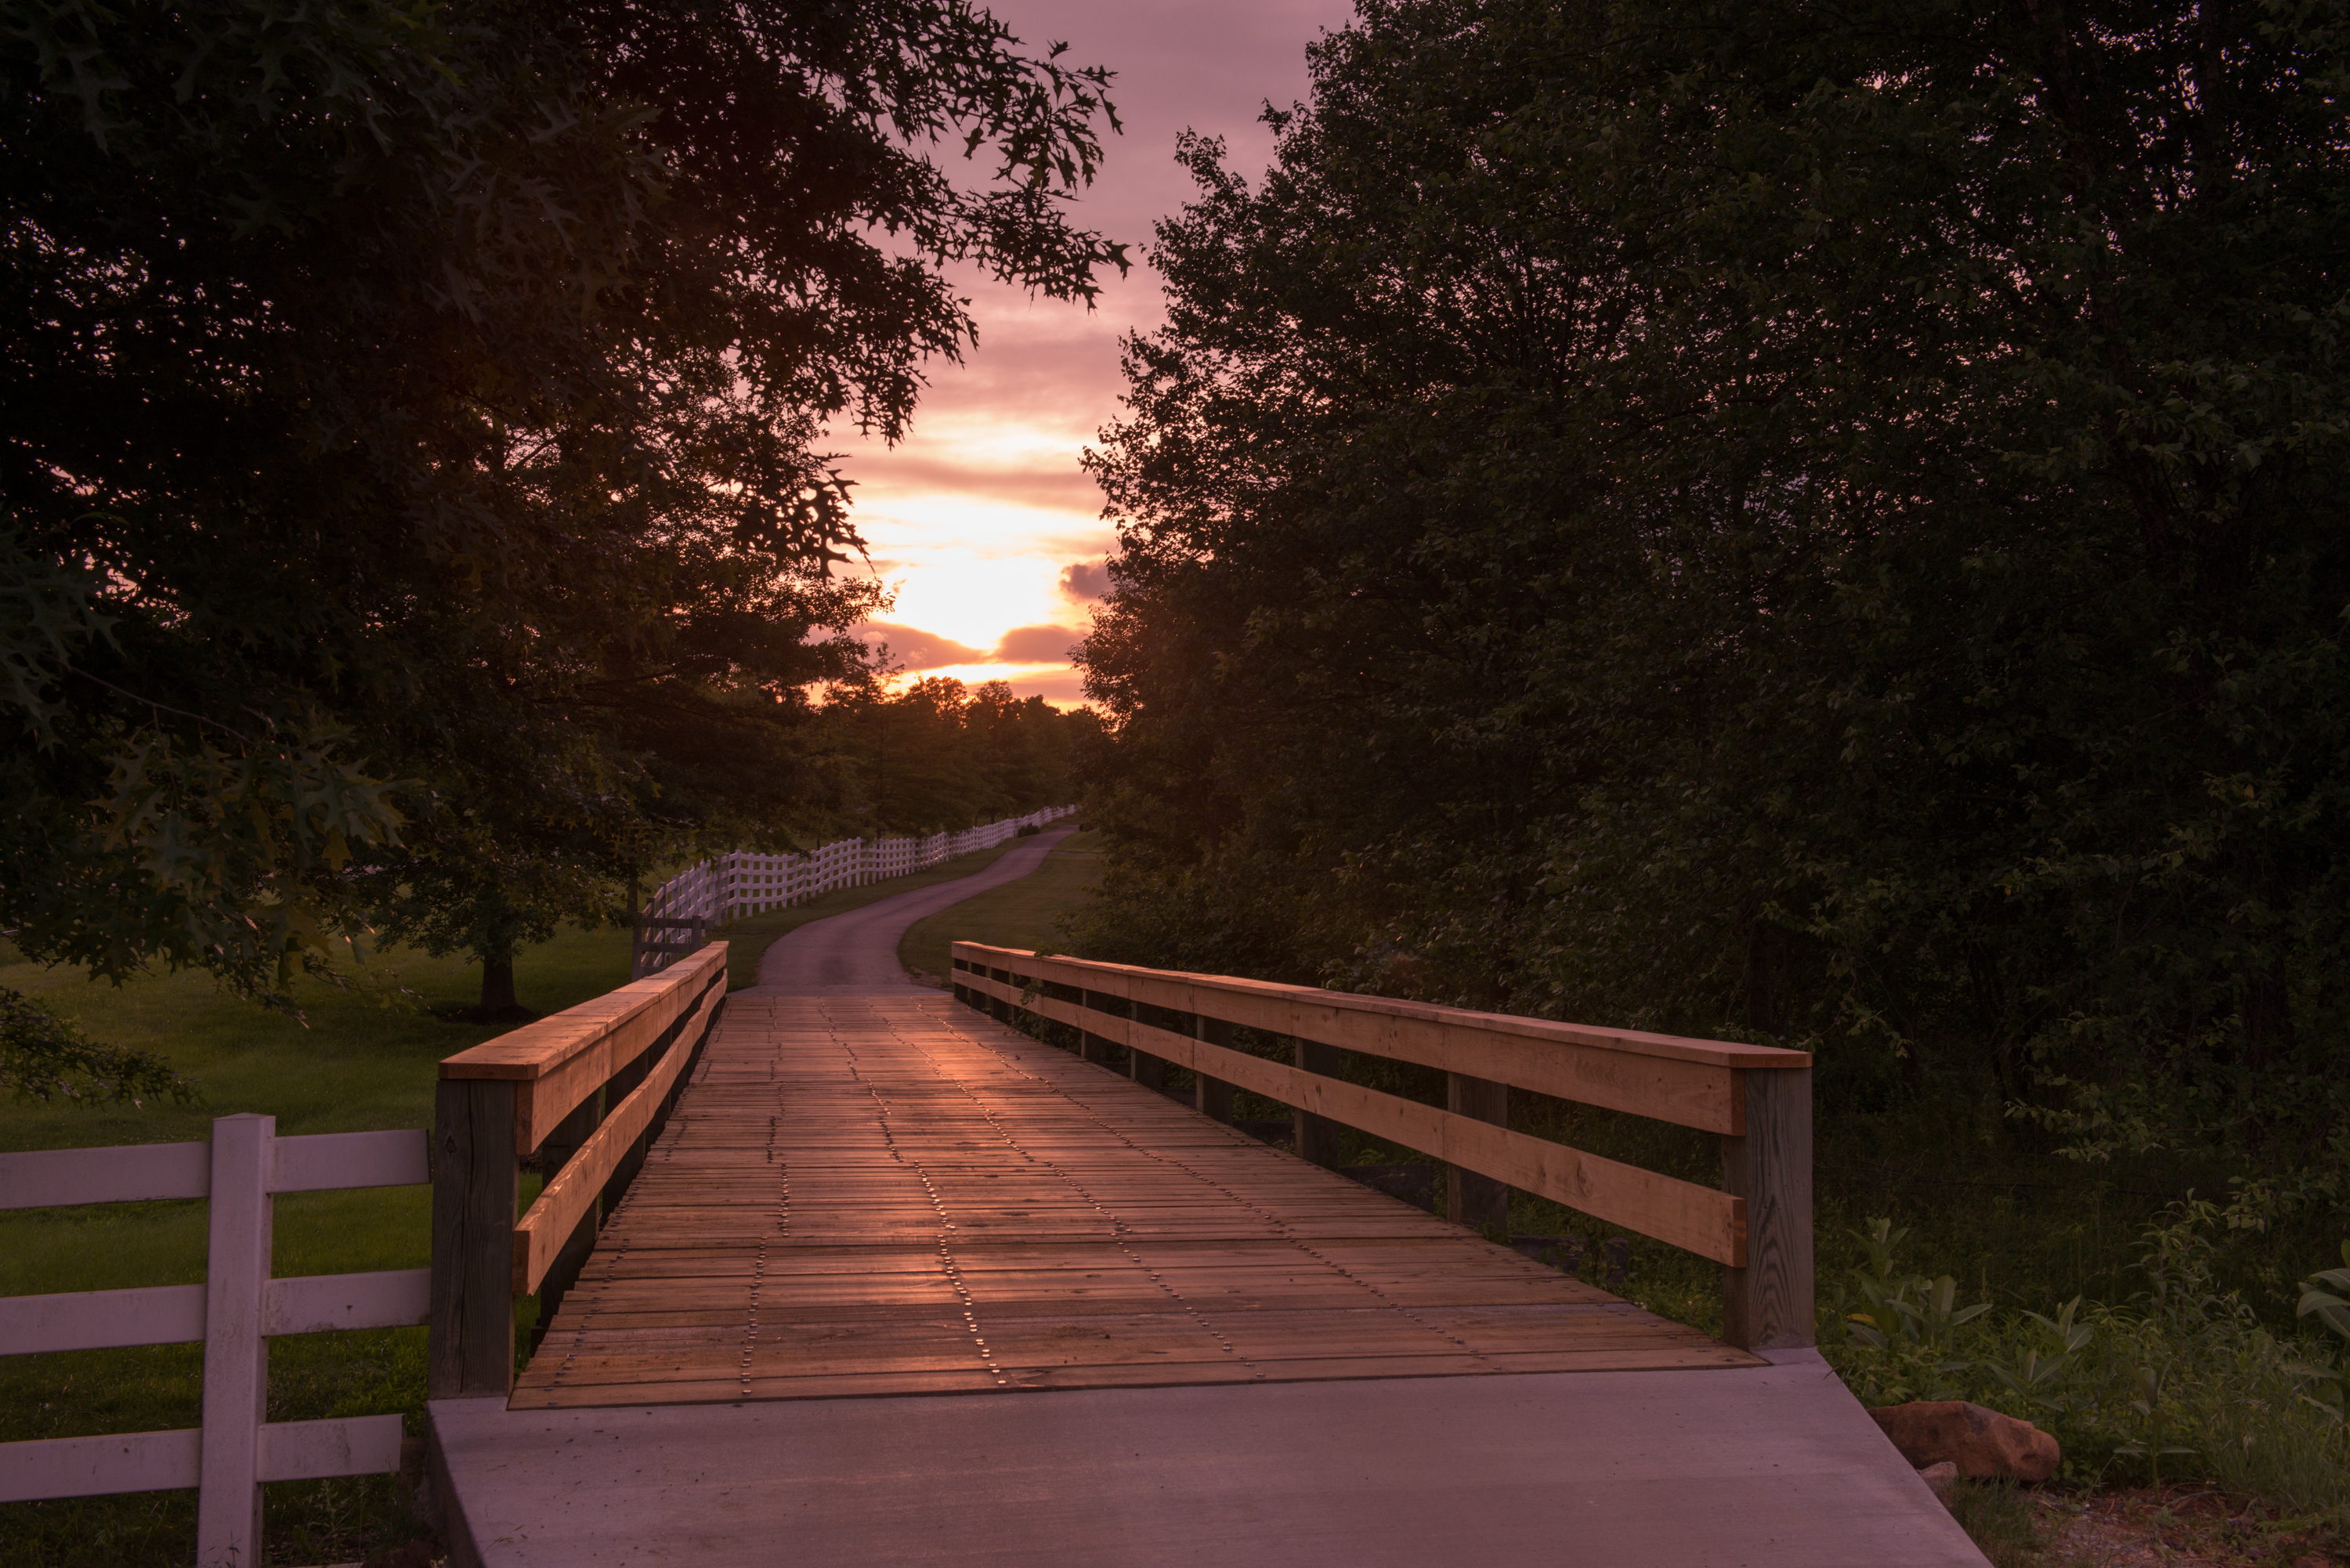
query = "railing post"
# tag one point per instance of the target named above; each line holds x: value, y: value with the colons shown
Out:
x: 236, y: 1356
x: 1316, y: 1137
x: 1091, y: 1046
x: 1477, y: 1201
x: 1144, y: 1068
x: 997, y: 1007
x: 1213, y: 1098
x: 1767, y: 1305
x: 469, y: 1354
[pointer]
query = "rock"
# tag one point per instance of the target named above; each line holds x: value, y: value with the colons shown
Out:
x: 1941, y: 1478
x: 1983, y: 1444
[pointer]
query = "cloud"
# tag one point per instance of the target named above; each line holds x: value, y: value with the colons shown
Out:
x: 919, y: 649
x: 1037, y: 645
x: 1085, y: 581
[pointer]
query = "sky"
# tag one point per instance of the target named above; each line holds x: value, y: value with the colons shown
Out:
x: 981, y: 519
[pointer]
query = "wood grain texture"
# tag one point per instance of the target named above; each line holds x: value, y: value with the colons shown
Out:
x: 567, y: 1057
x: 469, y: 1349
x: 1767, y: 1305
x: 1663, y: 1076
x: 1696, y: 1218
x: 892, y: 1194
x: 566, y: 1199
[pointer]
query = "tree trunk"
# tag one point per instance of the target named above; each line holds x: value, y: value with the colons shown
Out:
x: 498, y: 985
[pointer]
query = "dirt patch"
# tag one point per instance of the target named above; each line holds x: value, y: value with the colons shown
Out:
x: 2176, y: 1527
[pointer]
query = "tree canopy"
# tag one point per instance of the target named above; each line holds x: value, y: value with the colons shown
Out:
x: 1819, y: 524
x: 414, y: 476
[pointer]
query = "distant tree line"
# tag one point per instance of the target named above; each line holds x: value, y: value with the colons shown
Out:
x: 1821, y: 524
x: 934, y: 755
x: 412, y: 519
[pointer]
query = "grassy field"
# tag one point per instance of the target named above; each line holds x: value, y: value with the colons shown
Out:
x: 365, y: 1060
x: 1021, y: 914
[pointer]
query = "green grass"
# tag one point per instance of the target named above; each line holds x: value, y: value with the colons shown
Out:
x: 1022, y: 914
x: 365, y: 1060
x: 749, y: 939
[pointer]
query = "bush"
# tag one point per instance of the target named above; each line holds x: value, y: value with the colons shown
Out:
x: 2180, y: 1379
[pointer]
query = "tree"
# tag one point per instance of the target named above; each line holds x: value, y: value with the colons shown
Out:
x: 1813, y: 525
x: 413, y: 419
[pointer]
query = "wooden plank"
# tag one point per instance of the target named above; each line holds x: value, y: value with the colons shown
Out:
x: 135, y: 1173
x: 471, y: 1352
x: 868, y: 1195
x: 543, y: 1104
x: 564, y: 1200
x: 100, y: 1466
x: 101, y: 1320
x: 1696, y: 1218
x: 567, y: 1057
x: 316, y: 1304
x: 1768, y: 1303
x: 1666, y: 1076
x: 321, y: 1450
x: 325, y: 1162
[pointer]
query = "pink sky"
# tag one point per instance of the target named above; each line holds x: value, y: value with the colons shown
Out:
x: 978, y: 517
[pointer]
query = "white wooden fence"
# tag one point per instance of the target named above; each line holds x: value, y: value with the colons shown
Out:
x: 740, y: 884
x: 234, y: 1312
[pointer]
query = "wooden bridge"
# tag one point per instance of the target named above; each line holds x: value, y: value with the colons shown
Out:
x: 841, y: 1270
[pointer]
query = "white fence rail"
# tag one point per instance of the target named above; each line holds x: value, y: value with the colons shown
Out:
x: 740, y: 884
x: 233, y: 1314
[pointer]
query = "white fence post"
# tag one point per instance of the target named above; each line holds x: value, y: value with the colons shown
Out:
x: 237, y: 1358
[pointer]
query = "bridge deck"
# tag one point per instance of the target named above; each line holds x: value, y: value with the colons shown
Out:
x: 886, y: 1193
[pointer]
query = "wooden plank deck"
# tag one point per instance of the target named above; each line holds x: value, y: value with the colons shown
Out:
x: 886, y: 1193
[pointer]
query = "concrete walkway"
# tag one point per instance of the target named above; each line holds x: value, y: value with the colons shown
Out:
x: 1741, y: 1466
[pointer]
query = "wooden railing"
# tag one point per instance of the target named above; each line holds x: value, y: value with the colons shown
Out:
x: 586, y: 1091
x: 1758, y: 1226
x: 233, y: 1315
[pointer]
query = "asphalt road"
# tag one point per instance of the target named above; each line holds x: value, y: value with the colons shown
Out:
x: 859, y: 951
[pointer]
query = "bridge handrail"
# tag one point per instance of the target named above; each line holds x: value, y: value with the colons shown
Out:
x: 1756, y: 1098
x: 586, y: 1090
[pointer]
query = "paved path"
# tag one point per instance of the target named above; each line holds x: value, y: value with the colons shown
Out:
x: 858, y: 952
x: 899, y: 1285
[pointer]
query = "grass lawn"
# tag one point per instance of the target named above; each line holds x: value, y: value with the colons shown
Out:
x: 1020, y: 914
x: 365, y: 1060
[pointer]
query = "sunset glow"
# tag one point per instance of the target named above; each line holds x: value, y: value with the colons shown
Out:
x: 976, y: 518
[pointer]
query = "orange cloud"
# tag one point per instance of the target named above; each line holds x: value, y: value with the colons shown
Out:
x: 1085, y: 580
x: 1037, y: 645
x: 917, y: 649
